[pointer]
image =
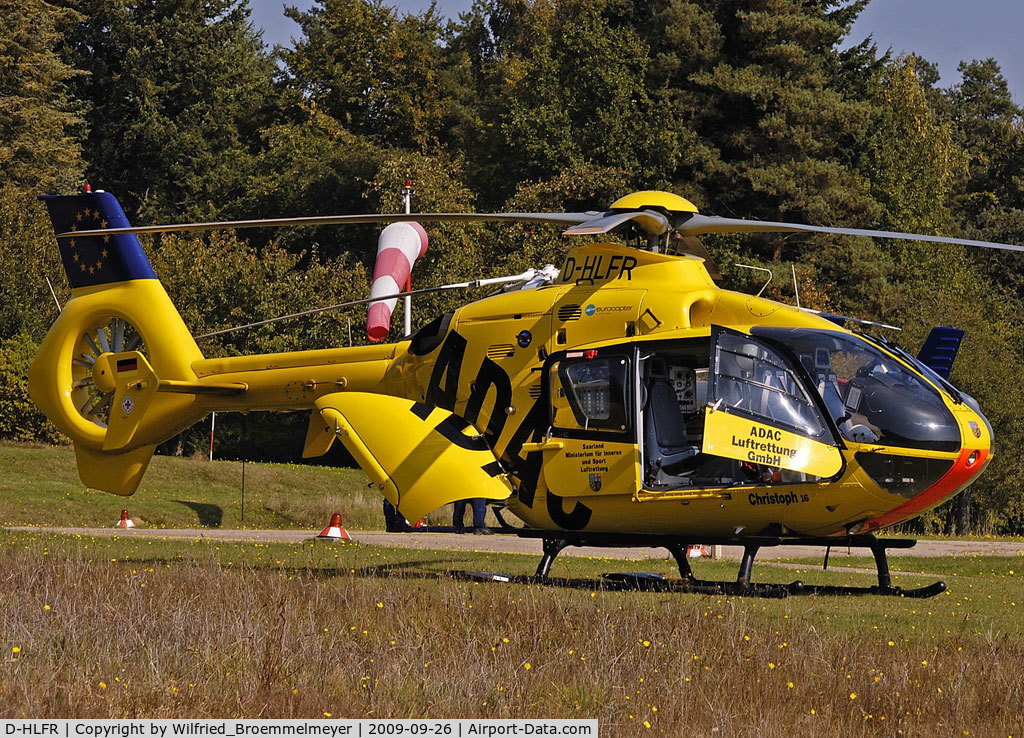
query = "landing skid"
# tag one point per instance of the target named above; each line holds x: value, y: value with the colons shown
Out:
x: 554, y: 543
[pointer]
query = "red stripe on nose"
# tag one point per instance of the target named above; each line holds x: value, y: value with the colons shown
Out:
x: 964, y: 469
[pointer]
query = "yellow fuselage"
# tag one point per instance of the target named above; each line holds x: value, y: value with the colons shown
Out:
x: 494, y: 363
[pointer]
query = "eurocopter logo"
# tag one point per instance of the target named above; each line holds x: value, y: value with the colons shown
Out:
x: 591, y: 310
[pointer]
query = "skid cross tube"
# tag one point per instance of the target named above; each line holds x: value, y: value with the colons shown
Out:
x: 554, y: 542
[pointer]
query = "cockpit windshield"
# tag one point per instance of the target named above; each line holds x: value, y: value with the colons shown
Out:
x: 872, y: 397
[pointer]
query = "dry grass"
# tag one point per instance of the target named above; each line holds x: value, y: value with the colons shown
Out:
x: 262, y: 631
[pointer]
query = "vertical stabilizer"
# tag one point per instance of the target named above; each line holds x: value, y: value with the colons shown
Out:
x: 96, y: 260
x: 940, y: 349
x: 98, y: 371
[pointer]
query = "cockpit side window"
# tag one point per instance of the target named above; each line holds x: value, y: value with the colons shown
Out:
x: 676, y: 386
x: 591, y: 394
x: 872, y: 397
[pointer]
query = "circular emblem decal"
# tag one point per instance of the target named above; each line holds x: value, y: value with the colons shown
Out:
x: 590, y: 309
x: 523, y: 338
x: 128, y: 404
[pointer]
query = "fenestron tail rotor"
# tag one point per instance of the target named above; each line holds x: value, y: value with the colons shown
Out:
x: 110, y: 334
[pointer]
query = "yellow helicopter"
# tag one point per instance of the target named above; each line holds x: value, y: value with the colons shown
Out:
x: 625, y: 399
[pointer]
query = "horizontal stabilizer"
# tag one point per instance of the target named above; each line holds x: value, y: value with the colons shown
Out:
x: 134, y: 384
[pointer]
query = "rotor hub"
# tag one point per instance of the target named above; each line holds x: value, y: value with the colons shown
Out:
x: 654, y: 200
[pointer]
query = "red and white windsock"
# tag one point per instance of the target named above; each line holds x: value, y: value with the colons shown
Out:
x: 398, y: 248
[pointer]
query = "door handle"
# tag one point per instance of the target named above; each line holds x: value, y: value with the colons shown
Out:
x: 543, y: 446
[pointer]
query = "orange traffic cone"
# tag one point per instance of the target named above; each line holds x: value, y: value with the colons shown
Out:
x: 697, y: 552
x: 125, y: 521
x: 334, y: 531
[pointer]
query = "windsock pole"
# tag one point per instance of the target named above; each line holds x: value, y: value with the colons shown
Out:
x: 407, y: 194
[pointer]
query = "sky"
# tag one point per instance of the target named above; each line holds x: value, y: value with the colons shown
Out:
x: 942, y: 31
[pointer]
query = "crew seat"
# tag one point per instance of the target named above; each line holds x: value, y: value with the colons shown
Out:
x: 666, y: 444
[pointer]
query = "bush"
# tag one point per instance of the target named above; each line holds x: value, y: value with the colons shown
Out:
x: 20, y: 420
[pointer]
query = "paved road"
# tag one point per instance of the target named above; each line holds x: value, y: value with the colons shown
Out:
x: 514, y: 544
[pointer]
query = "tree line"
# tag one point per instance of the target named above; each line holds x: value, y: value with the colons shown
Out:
x: 749, y: 108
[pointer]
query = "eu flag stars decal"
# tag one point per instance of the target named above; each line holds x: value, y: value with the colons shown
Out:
x: 95, y: 260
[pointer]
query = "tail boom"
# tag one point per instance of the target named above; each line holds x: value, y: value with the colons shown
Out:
x: 117, y: 397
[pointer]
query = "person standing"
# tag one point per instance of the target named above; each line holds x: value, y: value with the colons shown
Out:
x: 394, y: 521
x: 479, y: 505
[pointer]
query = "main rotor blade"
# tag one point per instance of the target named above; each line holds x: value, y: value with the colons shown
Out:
x: 317, y: 220
x: 701, y: 224
x: 650, y: 221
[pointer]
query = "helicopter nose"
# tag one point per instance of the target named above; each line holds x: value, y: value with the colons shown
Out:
x: 974, y: 455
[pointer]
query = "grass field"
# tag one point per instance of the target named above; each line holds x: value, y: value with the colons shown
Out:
x: 133, y: 627
x: 183, y: 492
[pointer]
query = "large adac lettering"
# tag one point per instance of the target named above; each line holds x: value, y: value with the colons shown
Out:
x: 444, y: 379
x: 490, y: 375
x: 452, y: 428
x: 528, y: 469
x: 576, y: 519
x: 443, y: 392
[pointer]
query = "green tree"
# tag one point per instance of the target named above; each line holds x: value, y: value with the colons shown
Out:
x: 915, y: 165
x: 311, y: 165
x: 782, y: 116
x: 19, y: 418
x: 222, y: 282
x: 28, y: 258
x: 913, y: 160
x: 380, y: 74
x: 39, y: 125
x: 990, y: 202
x: 563, y: 85
x: 177, y: 89
x: 988, y: 127
x: 40, y: 120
